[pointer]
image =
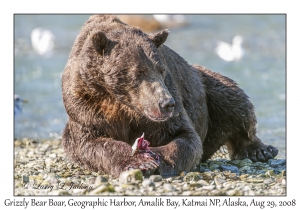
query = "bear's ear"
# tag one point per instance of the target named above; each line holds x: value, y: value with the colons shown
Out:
x: 159, y: 38
x: 100, y: 42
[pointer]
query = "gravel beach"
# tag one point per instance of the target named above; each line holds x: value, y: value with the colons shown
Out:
x: 41, y: 168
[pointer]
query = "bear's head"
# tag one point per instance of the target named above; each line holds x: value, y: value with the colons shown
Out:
x: 126, y: 63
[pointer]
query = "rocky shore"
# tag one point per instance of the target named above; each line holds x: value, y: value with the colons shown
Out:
x: 41, y: 168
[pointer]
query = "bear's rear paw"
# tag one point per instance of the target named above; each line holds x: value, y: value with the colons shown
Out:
x: 256, y: 153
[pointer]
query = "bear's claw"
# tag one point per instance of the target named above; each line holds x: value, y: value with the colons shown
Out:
x: 260, y: 153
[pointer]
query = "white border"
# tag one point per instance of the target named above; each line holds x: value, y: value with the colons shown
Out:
x: 87, y: 6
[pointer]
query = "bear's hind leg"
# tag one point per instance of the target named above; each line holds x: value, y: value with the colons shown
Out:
x: 232, y: 120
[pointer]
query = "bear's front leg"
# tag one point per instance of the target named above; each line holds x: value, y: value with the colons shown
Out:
x: 181, y: 154
x: 109, y: 156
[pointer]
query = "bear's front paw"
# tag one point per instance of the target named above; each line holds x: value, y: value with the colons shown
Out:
x: 143, y: 162
x: 256, y: 153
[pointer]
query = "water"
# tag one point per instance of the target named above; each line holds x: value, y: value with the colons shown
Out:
x: 261, y: 72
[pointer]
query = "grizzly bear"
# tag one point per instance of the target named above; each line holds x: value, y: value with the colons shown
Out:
x: 120, y: 82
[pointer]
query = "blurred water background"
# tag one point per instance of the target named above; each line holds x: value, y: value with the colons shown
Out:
x: 261, y: 72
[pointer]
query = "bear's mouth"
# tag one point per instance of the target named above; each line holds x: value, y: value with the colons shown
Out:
x: 155, y: 114
x: 159, y: 117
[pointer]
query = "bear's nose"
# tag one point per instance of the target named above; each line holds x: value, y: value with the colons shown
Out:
x: 167, y: 105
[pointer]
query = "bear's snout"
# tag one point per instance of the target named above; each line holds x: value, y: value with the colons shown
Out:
x: 166, y: 106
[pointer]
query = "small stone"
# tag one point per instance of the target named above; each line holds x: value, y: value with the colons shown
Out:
x: 44, y: 147
x: 177, y: 178
x: 25, y: 179
x: 101, y: 189
x: 258, y: 164
x: 254, y: 180
x: 208, y: 175
x: 158, y: 184
x: 203, y: 182
x: 92, y: 180
x: 147, y: 183
x: 245, y: 168
x: 219, y: 181
x: 261, y: 172
x: 192, y: 176
x: 214, y: 167
x: 202, y: 169
x: 210, y: 187
x: 59, y: 192
x: 78, y: 191
x: 235, y: 162
x: 155, y: 178
x: 187, y: 193
x: 52, y: 156
x: 30, y: 154
x: 170, y: 179
x: 31, y: 164
x: 195, y: 185
x: 232, y: 169
x: 100, y: 180
x: 231, y: 192
x: 48, y: 161
x: 276, y: 162
x: 130, y: 176
x: 168, y: 187
x: 269, y: 173
x: 177, y: 181
x: 186, y: 187
x: 215, y: 193
x: 182, y: 173
x: 268, y: 181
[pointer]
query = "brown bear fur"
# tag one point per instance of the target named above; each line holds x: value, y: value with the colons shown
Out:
x: 120, y: 82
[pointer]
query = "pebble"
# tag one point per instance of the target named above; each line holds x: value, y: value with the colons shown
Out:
x: 219, y: 181
x: 100, y: 180
x: 232, y: 169
x: 130, y: 176
x: 192, y: 176
x: 100, y: 189
x: 155, y: 178
x: 45, y: 162
x: 148, y: 183
x: 168, y: 187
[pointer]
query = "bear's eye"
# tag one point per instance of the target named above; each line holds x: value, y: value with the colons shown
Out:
x: 141, y: 72
x: 161, y: 70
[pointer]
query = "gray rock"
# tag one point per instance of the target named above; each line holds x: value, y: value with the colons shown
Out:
x: 155, y: 178
x: 277, y: 162
x: 59, y: 192
x: 100, y: 180
x: 202, y: 169
x: 214, y: 167
x: 101, y: 189
x: 91, y: 180
x: 231, y: 192
x: 25, y: 179
x: 130, y: 176
x: 245, y: 162
x: 231, y: 168
x: 147, y: 183
x: 187, y: 193
x: 177, y: 181
x: 192, y: 176
x: 170, y: 179
x: 203, y: 182
x: 219, y: 181
x: 168, y: 187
